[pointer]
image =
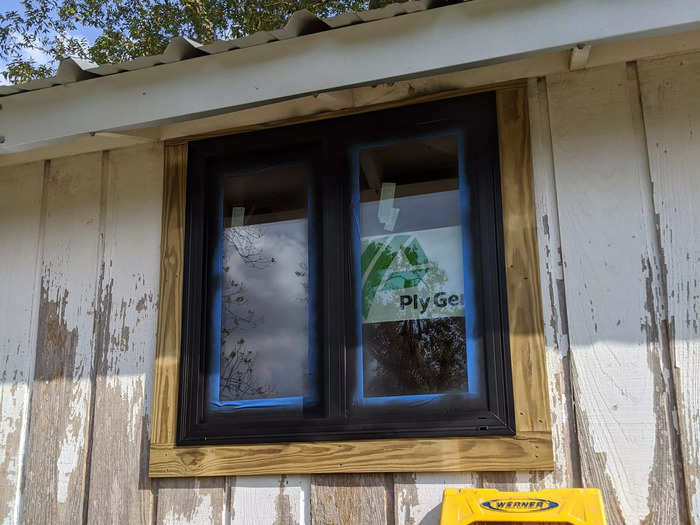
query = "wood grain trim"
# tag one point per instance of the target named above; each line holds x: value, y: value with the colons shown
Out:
x: 530, y: 449
x: 165, y: 388
x: 522, y: 264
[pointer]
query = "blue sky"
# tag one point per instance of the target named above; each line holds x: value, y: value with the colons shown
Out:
x: 41, y: 58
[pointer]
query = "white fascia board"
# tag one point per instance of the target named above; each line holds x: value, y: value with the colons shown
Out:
x: 460, y: 36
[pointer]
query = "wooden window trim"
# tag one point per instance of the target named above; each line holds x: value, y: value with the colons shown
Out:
x: 329, y: 151
x: 529, y: 449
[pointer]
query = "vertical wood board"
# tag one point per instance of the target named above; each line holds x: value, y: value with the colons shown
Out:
x: 279, y: 500
x: 670, y: 90
x: 352, y: 498
x: 125, y: 335
x: 624, y: 430
x: 199, y: 501
x: 556, y: 331
x: 20, y: 213
x: 54, y: 486
x: 525, y: 310
x: 418, y: 496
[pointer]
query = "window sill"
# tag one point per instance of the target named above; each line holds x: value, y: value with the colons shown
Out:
x: 525, y: 451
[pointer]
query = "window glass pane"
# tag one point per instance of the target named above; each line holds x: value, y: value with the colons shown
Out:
x: 264, y: 321
x: 414, y: 334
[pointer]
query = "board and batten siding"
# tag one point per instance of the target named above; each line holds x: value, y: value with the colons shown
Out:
x: 616, y: 163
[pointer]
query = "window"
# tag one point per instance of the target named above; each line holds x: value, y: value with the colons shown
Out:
x: 343, y: 296
x: 345, y: 280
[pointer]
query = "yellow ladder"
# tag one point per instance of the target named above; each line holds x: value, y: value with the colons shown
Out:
x: 573, y: 506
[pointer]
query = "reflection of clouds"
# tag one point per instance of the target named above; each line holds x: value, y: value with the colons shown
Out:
x: 276, y: 294
x: 444, y: 248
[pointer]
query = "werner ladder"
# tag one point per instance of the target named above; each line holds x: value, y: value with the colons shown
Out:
x: 572, y: 506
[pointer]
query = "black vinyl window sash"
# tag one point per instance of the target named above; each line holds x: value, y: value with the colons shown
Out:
x: 345, y: 280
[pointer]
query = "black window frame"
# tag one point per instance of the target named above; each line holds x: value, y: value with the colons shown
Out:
x: 325, y: 147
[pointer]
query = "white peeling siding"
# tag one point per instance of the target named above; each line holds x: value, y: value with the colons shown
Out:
x: 671, y: 103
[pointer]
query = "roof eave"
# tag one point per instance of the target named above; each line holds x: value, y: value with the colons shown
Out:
x: 439, y: 40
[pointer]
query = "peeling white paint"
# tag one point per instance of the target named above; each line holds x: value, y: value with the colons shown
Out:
x: 254, y: 499
x: 615, y: 397
x: 669, y: 93
x: 72, y: 445
x: 132, y: 189
x: 69, y: 269
x: 418, y: 497
x: 66, y: 464
x: 552, y: 288
x: 203, y: 514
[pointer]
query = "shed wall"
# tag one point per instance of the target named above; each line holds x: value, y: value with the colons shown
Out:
x: 616, y: 157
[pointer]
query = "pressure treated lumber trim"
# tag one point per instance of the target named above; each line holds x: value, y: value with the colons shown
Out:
x: 170, y: 302
x: 522, y: 269
x: 530, y: 449
x: 527, y: 451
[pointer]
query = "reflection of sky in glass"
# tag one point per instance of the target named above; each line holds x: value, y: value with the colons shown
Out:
x: 417, y: 212
x: 265, y: 311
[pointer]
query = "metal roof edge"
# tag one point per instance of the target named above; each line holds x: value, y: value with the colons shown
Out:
x: 300, y: 23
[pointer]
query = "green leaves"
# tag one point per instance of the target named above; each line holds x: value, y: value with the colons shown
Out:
x: 20, y: 70
x: 132, y: 28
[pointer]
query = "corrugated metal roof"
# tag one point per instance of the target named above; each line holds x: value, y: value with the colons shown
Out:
x: 300, y: 23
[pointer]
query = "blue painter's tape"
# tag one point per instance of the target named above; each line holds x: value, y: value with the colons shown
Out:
x: 276, y: 402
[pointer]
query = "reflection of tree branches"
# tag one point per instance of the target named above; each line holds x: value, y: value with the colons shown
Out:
x: 237, y: 374
x: 244, y: 250
x: 237, y: 379
x: 245, y: 241
x: 236, y: 313
x: 302, y: 273
x: 419, y: 356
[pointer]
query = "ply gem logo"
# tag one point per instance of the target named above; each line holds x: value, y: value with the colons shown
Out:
x: 374, y: 268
